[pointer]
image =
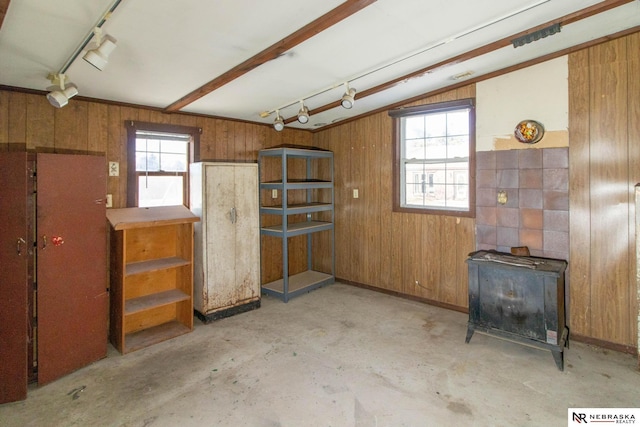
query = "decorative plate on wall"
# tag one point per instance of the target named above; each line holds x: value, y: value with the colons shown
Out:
x: 529, y: 131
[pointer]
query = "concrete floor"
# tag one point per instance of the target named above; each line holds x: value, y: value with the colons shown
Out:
x: 338, y: 356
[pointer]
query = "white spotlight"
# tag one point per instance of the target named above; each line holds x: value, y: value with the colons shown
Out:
x: 99, y: 55
x: 60, y: 98
x: 60, y: 95
x: 348, y: 99
x: 278, y: 124
x: 303, y: 114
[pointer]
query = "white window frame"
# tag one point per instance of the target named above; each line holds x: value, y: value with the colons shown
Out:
x: 193, y: 153
x: 405, y: 180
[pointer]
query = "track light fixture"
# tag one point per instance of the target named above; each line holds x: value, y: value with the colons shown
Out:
x: 63, y: 91
x: 348, y: 99
x: 60, y: 94
x: 98, y: 55
x: 303, y: 114
x: 278, y: 124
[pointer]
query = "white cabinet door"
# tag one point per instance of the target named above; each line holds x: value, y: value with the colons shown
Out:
x: 221, y: 235
x: 247, y: 249
x: 230, y: 235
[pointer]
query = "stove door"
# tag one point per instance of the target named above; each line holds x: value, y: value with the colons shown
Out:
x: 512, y: 301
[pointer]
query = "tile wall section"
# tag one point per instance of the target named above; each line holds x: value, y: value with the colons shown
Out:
x: 536, y: 213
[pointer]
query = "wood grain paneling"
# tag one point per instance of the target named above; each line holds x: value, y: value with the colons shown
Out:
x: 371, y: 199
x: 604, y: 160
x: 358, y: 216
x: 17, y: 118
x: 238, y: 142
x: 391, y: 251
x: 579, y: 313
x: 433, y: 240
x: 28, y: 121
x: 4, y: 118
x: 98, y: 128
x: 609, y: 192
x: 113, y: 154
x: 413, y: 254
x: 385, y: 179
x: 633, y: 90
x: 41, y: 117
x: 70, y: 130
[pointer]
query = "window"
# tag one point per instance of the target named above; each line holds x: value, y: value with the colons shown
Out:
x: 434, y: 158
x: 158, y: 165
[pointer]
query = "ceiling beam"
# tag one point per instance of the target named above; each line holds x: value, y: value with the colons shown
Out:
x: 327, y: 20
x: 4, y: 6
x: 499, y: 44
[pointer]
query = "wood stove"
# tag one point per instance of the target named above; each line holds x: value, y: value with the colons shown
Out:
x: 519, y: 298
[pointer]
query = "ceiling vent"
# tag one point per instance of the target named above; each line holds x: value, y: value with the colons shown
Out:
x: 536, y: 35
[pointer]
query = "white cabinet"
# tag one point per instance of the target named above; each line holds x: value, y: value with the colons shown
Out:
x: 227, y: 238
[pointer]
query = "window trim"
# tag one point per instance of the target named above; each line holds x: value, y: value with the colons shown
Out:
x: 132, y: 175
x: 399, y: 113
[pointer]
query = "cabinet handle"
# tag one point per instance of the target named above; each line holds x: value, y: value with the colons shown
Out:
x: 232, y: 215
x: 19, y: 245
x: 44, y: 241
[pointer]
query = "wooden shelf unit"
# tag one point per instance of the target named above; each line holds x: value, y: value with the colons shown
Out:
x: 151, y: 275
x: 306, y: 209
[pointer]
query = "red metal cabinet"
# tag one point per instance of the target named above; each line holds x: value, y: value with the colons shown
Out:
x: 62, y: 262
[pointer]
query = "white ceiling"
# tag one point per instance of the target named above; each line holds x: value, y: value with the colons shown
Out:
x: 167, y: 49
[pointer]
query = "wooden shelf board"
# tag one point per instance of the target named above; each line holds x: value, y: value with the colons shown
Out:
x: 126, y: 218
x: 154, y: 335
x: 306, y: 279
x: 135, y: 305
x: 154, y: 265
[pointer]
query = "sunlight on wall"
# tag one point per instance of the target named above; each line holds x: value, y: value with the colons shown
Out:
x: 539, y: 92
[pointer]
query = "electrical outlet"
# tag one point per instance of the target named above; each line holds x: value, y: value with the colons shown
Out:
x: 114, y: 169
x: 355, y: 193
x: 109, y: 201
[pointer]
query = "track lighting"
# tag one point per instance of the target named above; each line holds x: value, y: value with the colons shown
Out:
x: 278, y: 124
x: 303, y: 114
x: 348, y: 99
x: 98, y: 56
x: 60, y: 94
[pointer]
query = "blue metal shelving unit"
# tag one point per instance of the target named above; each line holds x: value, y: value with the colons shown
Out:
x: 290, y: 286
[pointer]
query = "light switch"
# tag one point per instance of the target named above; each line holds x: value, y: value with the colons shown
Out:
x: 114, y: 169
x: 109, y: 200
x: 355, y: 193
x: 274, y: 194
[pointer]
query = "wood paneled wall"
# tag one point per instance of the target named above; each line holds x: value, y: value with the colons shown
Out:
x: 423, y: 255
x: 604, y: 155
x: 413, y: 254
x: 29, y: 121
